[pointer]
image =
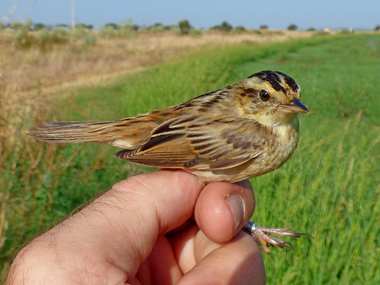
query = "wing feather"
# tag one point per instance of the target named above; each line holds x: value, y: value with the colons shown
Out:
x: 189, y: 143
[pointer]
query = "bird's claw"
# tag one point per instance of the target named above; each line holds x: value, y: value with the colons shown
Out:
x: 262, y: 236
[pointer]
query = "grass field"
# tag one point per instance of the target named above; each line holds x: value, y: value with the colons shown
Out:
x: 329, y: 189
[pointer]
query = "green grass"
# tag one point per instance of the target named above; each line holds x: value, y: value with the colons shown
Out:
x: 329, y: 189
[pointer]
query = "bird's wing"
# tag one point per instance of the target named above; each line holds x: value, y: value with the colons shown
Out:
x: 196, y: 143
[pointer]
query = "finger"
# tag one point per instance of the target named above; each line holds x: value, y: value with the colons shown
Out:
x: 161, y: 267
x: 147, y: 207
x: 222, y: 209
x: 236, y: 262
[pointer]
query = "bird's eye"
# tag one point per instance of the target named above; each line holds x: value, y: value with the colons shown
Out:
x: 264, y: 95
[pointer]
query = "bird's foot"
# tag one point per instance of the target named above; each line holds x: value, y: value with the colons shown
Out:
x: 262, y: 236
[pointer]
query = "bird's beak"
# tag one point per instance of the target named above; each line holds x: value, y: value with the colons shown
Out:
x: 296, y: 106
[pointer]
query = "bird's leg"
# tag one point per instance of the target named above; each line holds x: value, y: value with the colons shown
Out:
x: 262, y: 236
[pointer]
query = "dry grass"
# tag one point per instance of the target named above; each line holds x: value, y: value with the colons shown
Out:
x: 74, y: 64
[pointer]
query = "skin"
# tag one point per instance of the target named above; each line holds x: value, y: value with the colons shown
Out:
x: 142, y: 232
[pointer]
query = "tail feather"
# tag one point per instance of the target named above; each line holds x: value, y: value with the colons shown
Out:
x: 67, y: 132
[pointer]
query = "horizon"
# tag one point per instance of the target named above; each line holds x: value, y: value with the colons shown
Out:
x: 336, y: 14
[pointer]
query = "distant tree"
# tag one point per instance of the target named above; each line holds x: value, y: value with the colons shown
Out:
x: 111, y: 25
x: 377, y: 28
x: 84, y: 26
x: 60, y: 36
x: 225, y: 26
x: 292, y: 27
x: 1, y: 26
x: 311, y: 29
x: 39, y: 26
x: 184, y: 27
x: 263, y: 27
x: 61, y: 26
x: 240, y: 29
x: 158, y: 27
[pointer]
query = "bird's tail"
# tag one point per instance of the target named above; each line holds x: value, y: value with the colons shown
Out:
x: 69, y: 132
x: 127, y: 133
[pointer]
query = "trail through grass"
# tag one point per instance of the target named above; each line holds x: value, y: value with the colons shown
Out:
x: 329, y: 189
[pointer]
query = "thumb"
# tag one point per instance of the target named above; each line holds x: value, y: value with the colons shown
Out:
x: 138, y: 210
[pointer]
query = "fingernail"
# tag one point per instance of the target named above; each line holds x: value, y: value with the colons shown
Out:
x: 237, y: 208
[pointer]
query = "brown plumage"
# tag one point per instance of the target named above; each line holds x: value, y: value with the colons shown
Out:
x: 235, y: 133
x: 227, y: 135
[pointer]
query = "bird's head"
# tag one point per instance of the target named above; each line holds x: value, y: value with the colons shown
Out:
x: 270, y: 97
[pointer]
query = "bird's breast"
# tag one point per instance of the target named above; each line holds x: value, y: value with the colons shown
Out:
x: 284, y: 143
x: 280, y: 143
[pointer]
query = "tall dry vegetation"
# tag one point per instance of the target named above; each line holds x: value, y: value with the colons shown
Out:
x: 37, y: 67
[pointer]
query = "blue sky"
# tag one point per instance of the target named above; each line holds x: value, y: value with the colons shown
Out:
x: 277, y: 14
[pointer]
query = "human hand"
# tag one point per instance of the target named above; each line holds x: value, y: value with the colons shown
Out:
x: 140, y: 232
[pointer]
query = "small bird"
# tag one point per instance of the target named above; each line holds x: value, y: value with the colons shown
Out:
x: 238, y: 132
